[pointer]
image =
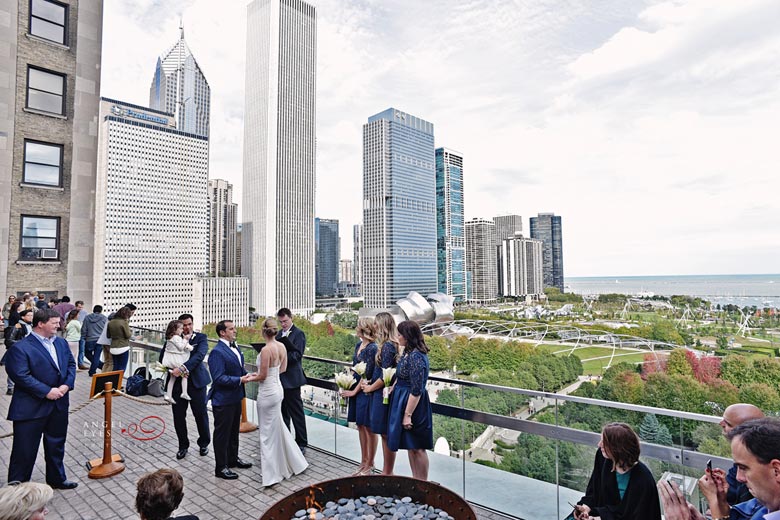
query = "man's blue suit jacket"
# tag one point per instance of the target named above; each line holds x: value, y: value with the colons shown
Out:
x: 32, y: 369
x: 226, y: 372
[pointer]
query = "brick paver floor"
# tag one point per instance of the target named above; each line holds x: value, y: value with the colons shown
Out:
x: 204, y: 495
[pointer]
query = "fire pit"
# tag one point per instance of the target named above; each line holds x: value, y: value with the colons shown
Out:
x: 317, y: 495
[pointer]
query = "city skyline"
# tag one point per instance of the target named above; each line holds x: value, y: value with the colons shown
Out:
x: 626, y: 115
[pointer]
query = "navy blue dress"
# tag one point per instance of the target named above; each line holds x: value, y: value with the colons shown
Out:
x: 377, y: 409
x: 359, y: 405
x: 412, y: 375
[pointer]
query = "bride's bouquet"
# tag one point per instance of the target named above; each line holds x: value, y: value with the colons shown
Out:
x: 344, y: 381
x: 159, y: 367
x: 387, y: 376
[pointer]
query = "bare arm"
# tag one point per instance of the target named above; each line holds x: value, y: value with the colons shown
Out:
x: 283, y: 355
x: 265, y: 361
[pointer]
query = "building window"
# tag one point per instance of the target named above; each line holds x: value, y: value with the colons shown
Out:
x: 42, y: 163
x: 40, y: 238
x: 48, y: 20
x: 45, y: 90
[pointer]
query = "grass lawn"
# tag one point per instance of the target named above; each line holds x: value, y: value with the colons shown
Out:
x: 596, y: 366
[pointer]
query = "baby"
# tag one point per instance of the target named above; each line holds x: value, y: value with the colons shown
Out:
x: 177, y: 352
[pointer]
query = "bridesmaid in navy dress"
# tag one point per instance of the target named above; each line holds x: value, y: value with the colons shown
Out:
x: 386, y: 357
x: 359, y: 402
x: 410, y: 424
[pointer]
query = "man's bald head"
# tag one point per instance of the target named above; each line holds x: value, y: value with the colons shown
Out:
x: 737, y: 414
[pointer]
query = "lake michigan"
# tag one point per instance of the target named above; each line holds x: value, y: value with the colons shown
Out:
x: 761, y: 290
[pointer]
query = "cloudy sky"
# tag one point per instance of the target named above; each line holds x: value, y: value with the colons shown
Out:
x: 647, y: 125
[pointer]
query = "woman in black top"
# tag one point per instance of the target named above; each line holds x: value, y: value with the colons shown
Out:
x: 620, y: 487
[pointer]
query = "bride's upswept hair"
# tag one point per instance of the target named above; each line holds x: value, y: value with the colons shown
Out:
x: 270, y: 328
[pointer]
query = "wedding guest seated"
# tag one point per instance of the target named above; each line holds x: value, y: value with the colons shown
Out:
x: 25, y: 501
x: 159, y: 494
x: 620, y: 487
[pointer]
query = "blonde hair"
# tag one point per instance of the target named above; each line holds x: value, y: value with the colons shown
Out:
x: 366, y: 328
x: 21, y: 501
x: 270, y: 328
x: 386, y: 332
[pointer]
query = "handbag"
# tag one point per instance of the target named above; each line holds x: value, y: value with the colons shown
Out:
x: 156, y: 387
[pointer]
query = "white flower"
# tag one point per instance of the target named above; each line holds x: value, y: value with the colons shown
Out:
x: 360, y: 368
x: 344, y: 380
x: 387, y: 375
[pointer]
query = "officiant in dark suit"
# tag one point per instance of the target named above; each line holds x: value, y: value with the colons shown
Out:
x: 197, y: 381
x: 293, y: 378
x: 43, y: 371
x: 226, y: 364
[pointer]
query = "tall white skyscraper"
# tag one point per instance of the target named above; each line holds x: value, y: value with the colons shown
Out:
x: 180, y: 88
x: 357, y: 252
x: 520, y: 267
x: 223, y: 246
x: 279, y: 155
x: 399, y: 208
x: 151, y: 213
x: 481, y: 262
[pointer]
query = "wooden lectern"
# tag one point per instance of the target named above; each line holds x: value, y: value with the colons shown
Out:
x: 109, y: 465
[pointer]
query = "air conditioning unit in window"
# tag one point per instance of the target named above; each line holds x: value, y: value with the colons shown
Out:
x: 48, y: 254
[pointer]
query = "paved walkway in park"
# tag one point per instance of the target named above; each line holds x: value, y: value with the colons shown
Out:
x: 204, y: 495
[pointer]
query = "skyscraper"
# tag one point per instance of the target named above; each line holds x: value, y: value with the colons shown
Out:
x: 547, y: 228
x: 507, y: 226
x: 357, y: 252
x: 328, y: 251
x: 450, y: 234
x: 151, y: 213
x: 399, y: 208
x: 520, y: 267
x: 345, y: 270
x: 50, y: 63
x: 279, y: 155
x: 223, y: 240
x: 180, y: 88
x: 481, y: 260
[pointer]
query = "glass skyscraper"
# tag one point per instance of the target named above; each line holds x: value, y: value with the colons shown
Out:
x: 450, y: 223
x: 399, y: 208
x: 180, y: 88
x: 277, y: 248
x: 547, y: 228
x: 328, y: 247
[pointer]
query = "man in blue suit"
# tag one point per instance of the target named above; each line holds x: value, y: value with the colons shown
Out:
x: 226, y: 364
x: 197, y: 381
x: 44, y: 371
x: 293, y: 378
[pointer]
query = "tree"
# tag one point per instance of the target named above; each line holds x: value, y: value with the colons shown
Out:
x: 679, y: 363
x: 648, y: 430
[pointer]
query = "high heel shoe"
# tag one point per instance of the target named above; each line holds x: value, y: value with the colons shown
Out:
x: 368, y: 471
x: 358, y: 472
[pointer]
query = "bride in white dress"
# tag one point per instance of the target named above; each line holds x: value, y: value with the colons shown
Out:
x: 281, y: 457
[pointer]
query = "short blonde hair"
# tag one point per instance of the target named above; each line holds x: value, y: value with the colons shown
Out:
x: 21, y: 501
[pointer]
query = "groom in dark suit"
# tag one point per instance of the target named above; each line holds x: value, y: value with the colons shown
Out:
x: 293, y: 378
x: 226, y: 364
x: 43, y: 370
x: 197, y: 381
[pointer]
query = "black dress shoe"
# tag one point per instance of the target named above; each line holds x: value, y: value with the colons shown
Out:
x: 66, y: 484
x: 226, y: 474
x: 241, y: 464
x: 303, y: 450
x: 181, y: 454
x: 203, y: 452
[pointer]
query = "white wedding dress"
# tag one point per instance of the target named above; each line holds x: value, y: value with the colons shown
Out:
x: 280, y: 456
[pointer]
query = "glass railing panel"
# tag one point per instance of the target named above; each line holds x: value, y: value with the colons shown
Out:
x: 326, y: 421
